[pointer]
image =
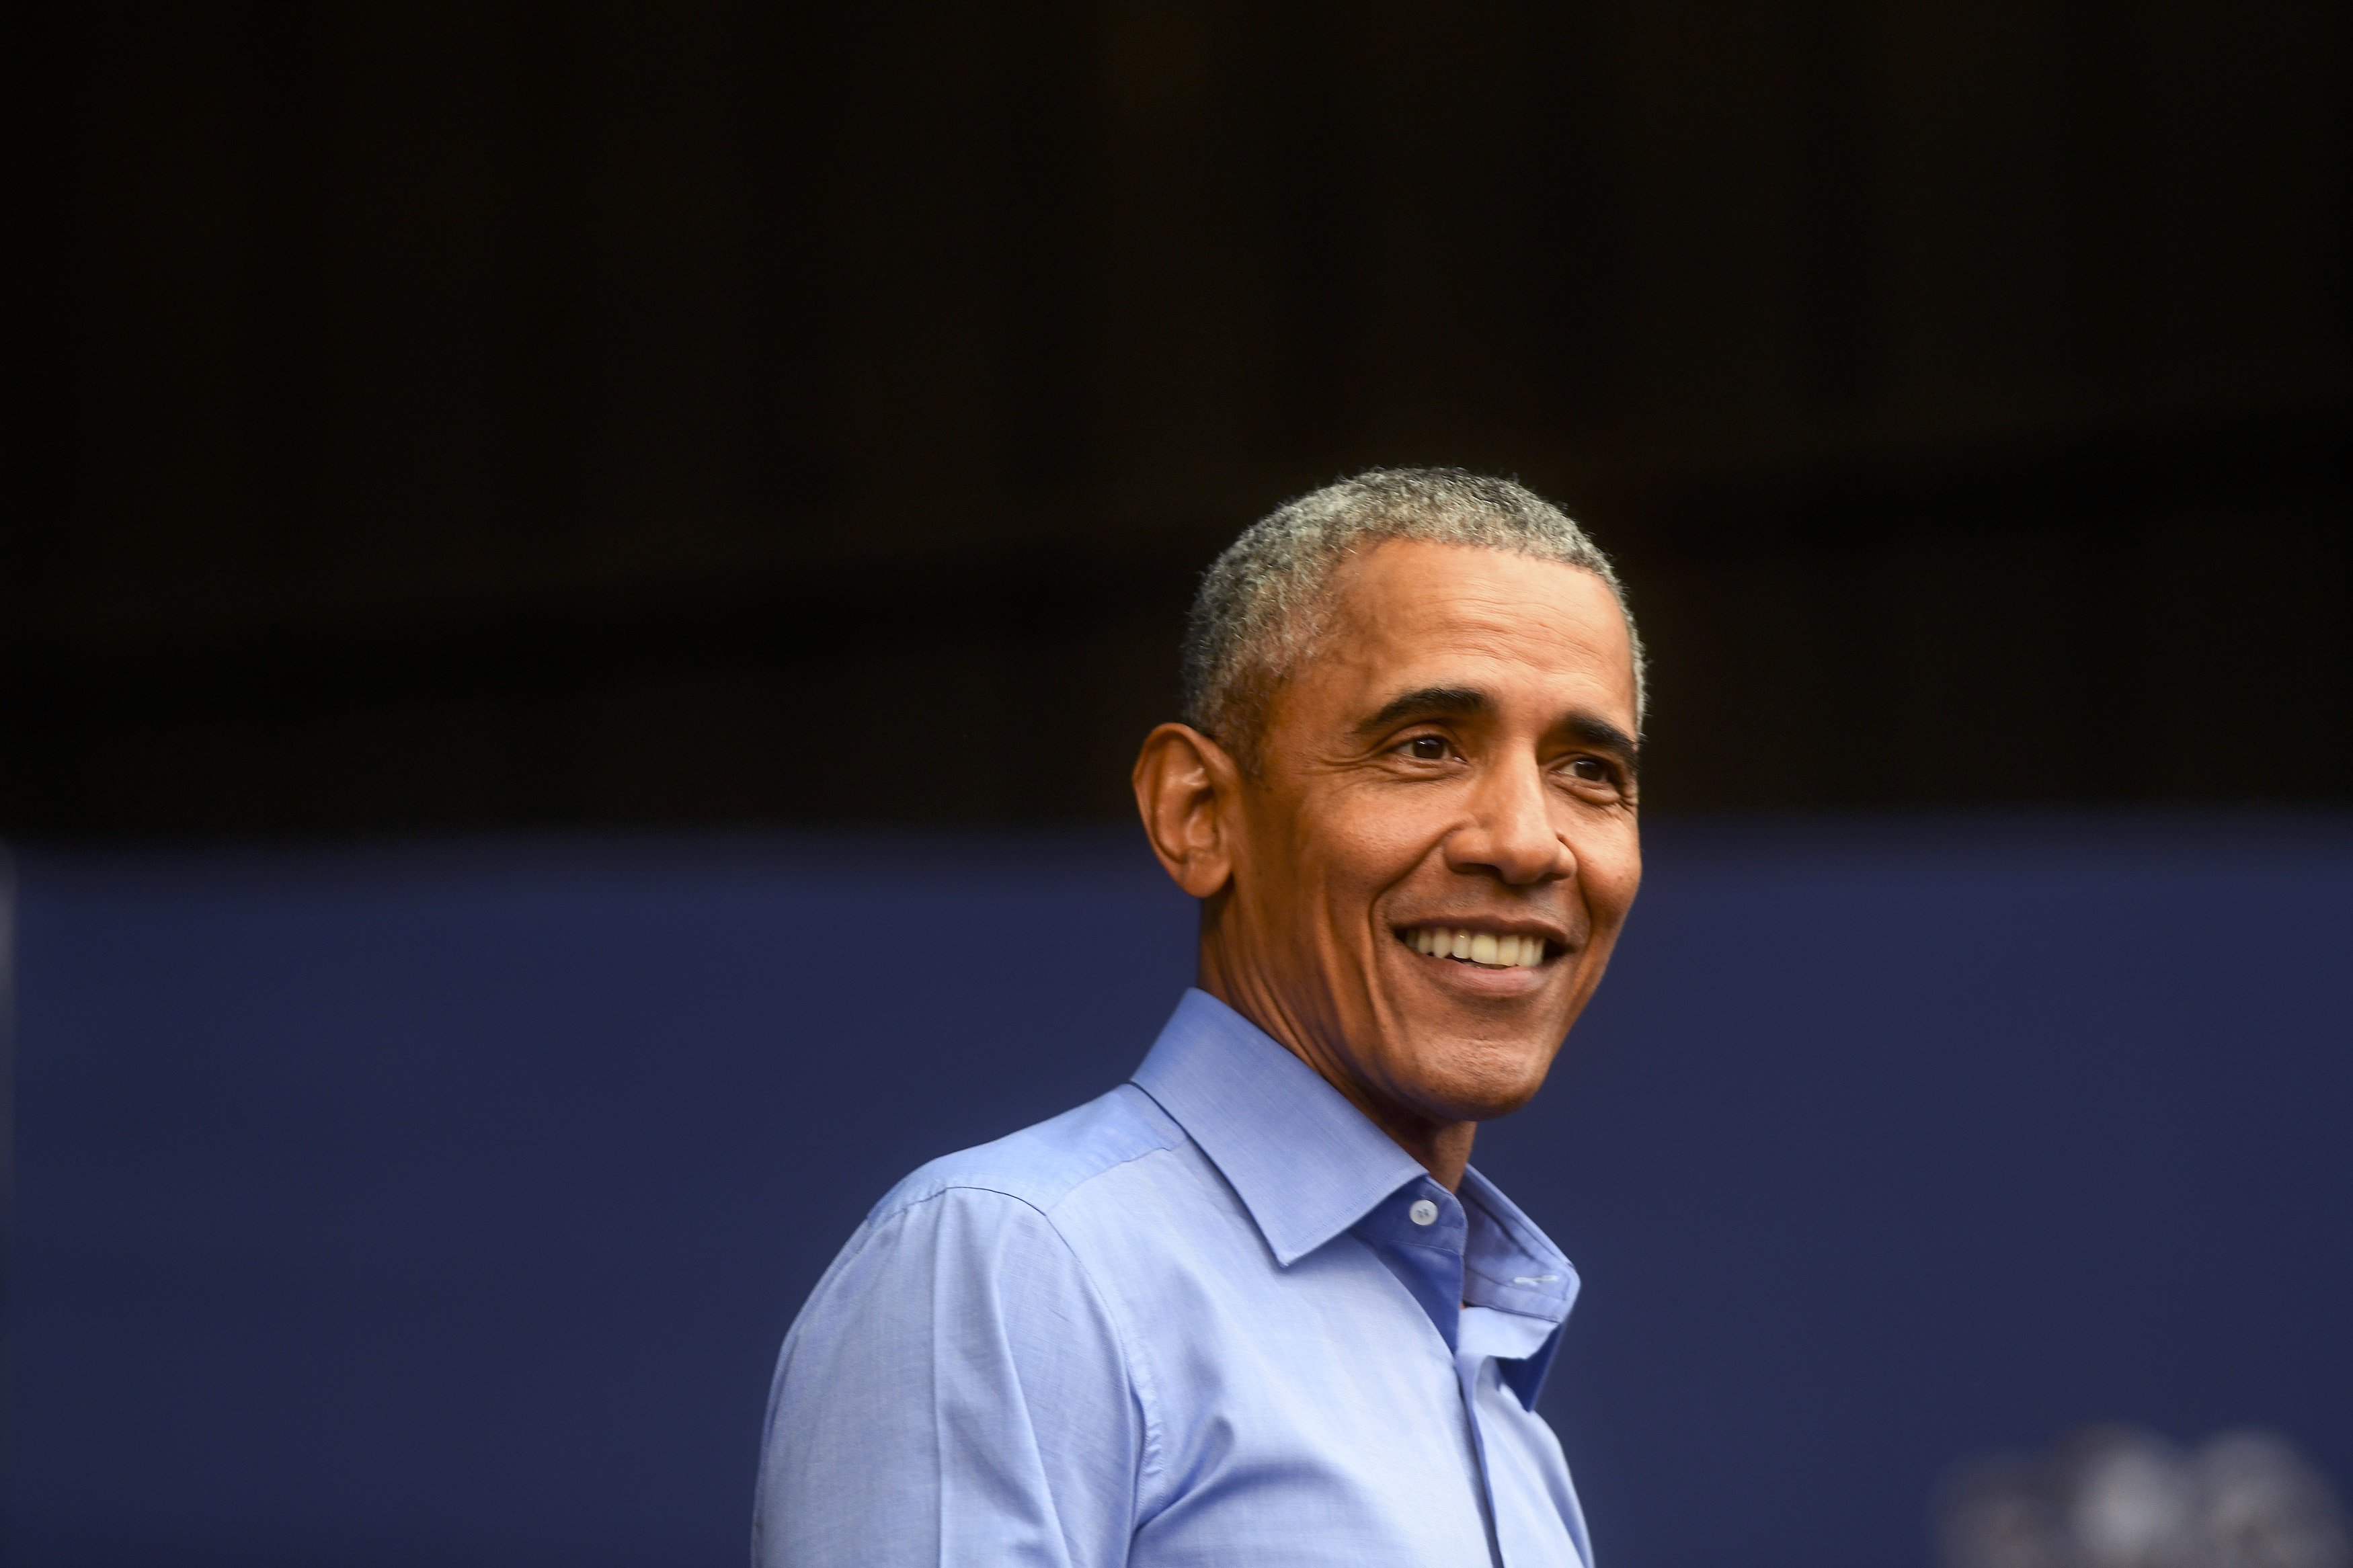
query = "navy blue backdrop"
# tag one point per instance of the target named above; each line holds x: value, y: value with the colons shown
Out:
x: 447, y: 1204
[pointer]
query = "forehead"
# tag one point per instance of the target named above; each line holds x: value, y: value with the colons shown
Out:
x: 1410, y: 612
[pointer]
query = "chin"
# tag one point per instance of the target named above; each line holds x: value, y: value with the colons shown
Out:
x: 1477, y: 1080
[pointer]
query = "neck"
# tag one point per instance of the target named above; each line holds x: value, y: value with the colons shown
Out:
x: 1444, y: 1148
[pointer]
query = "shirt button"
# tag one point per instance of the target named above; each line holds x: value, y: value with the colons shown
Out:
x: 1423, y: 1212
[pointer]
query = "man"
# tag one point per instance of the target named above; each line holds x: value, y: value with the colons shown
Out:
x: 1254, y: 1307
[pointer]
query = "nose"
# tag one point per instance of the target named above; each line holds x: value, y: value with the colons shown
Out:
x: 1511, y: 834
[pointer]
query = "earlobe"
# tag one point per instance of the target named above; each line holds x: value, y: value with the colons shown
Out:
x: 1184, y: 785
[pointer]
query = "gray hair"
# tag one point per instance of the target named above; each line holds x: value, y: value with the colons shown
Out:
x: 1267, y: 601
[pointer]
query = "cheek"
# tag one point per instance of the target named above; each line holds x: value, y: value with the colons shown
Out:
x: 1610, y: 888
x: 1366, y: 843
x: 1608, y: 870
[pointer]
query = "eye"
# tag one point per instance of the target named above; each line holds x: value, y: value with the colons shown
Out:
x: 1592, y: 770
x: 1427, y: 747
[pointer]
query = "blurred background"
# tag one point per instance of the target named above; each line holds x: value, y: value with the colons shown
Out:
x: 470, y: 416
x: 540, y: 541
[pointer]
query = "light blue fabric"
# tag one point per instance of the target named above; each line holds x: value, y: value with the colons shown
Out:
x: 1191, y: 1323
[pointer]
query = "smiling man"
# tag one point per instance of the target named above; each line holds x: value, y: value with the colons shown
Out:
x: 1254, y: 1306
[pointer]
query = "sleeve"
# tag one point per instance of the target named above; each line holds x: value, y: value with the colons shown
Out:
x: 952, y: 1393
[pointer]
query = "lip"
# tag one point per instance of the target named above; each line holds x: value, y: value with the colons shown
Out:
x: 1492, y: 927
x: 1556, y: 941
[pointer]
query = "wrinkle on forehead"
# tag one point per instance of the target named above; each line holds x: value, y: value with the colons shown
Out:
x: 1506, y: 610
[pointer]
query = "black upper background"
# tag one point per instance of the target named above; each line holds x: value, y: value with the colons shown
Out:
x: 428, y: 415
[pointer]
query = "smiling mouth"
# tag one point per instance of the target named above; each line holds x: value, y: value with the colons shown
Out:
x: 1484, y: 949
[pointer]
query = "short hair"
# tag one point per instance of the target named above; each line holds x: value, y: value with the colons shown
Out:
x: 1266, y: 603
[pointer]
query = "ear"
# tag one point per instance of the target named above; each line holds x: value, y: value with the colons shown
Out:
x: 1185, y: 786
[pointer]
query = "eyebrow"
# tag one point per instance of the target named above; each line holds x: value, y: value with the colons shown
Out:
x: 1457, y: 702
x: 1469, y: 702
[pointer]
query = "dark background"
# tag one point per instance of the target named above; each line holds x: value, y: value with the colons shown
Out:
x: 432, y: 415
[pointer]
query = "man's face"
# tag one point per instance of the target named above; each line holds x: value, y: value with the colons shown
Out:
x: 1453, y: 767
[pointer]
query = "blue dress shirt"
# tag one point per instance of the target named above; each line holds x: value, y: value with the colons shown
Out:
x: 1213, y: 1317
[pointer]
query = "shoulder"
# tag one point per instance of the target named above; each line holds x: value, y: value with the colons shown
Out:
x: 959, y: 1362
x: 1042, y: 1166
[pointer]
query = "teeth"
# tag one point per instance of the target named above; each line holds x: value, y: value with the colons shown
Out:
x: 1479, y: 947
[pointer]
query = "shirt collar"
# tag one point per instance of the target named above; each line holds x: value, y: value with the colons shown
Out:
x: 1306, y: 1163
